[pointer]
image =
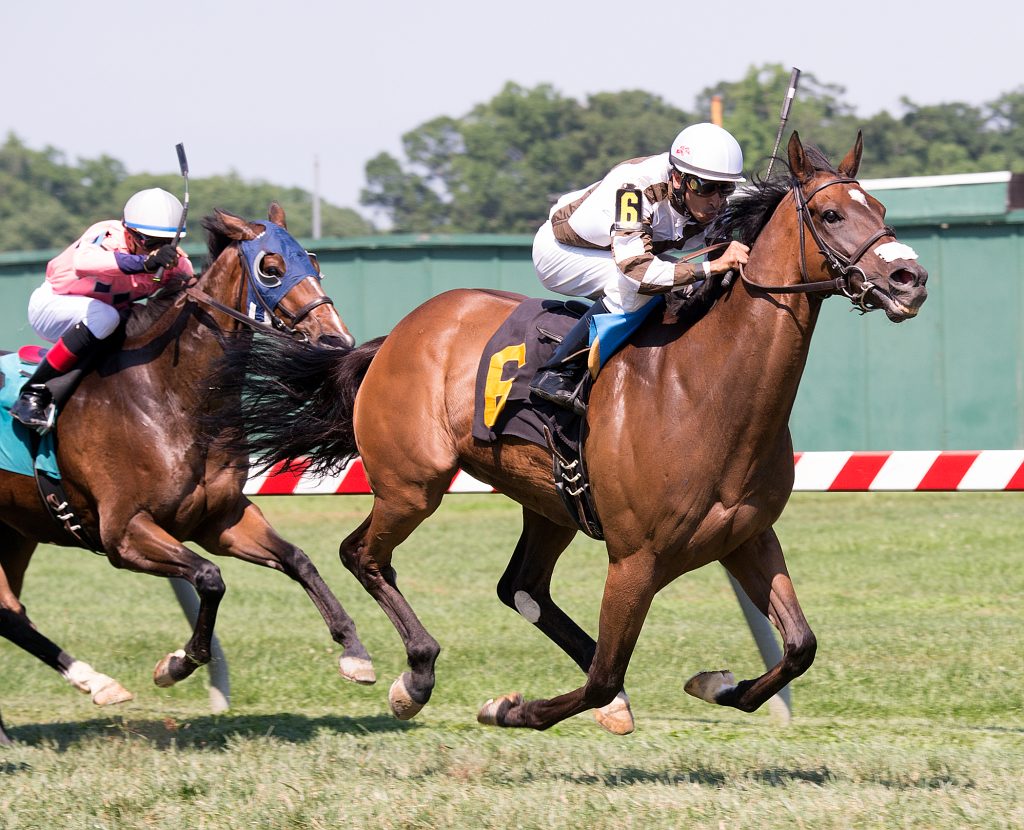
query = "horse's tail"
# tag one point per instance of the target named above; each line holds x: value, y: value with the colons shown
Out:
x: 277, y: 400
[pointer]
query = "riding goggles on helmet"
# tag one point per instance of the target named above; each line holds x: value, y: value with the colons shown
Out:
x: 707, y: 187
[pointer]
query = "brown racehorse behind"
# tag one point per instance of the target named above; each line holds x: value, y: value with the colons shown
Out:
x: 136, y: 471
x: 689, y: 450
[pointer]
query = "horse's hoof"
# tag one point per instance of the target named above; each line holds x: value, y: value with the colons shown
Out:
x: 616, y: 717
x: 162, y: 673
x: 402, y: 705
x: 708, y: 685
x: 110, y: 692
x: 494, y: 710
x: 358, y: 670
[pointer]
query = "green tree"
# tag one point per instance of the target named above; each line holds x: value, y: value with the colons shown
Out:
x: 47, y: 201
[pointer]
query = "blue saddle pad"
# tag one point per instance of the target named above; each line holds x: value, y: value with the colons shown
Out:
x: 610, y: 331
x: 16, y: 438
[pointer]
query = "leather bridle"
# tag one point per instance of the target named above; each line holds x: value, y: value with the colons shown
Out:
x: 838, y: 264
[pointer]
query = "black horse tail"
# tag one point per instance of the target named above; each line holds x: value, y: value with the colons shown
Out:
x: 276, y: 400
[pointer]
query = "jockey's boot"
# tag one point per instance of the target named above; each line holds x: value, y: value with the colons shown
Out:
x: 35, y: 408
x: 559, y: 379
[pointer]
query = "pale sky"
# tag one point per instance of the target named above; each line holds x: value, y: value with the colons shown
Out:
x: 265, y: 88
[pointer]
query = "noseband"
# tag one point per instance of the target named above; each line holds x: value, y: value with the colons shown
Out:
x: 839, y: 265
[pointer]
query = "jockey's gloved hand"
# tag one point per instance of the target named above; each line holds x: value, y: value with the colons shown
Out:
x: 164, y: 257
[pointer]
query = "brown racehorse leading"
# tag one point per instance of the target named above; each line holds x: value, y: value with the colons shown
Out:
x: 135, y: 470
x: 689, y: 450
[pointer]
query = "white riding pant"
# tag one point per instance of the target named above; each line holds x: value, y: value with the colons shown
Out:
x: 52, y: 314
x: 584, y: 272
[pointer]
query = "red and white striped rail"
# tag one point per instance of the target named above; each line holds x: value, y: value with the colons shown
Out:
x: 815, y: 472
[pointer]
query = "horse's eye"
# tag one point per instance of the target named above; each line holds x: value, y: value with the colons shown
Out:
x: 831, y: 216
x: 267, y: 272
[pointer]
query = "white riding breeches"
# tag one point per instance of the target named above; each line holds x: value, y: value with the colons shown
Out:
x: 52, y: 314
x: 584, y: 272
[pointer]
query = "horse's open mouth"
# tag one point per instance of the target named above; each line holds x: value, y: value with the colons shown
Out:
x: 893, y: 308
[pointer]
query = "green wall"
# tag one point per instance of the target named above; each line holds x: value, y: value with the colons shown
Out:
x: 953, y: 378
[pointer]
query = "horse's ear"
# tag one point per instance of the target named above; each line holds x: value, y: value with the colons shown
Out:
x: 851, y: 164
x: 276, y: 215
x: 235, y: 227
x: 798, y: 159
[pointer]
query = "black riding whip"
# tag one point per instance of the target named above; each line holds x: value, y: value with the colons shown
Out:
x: 794, y: 79
x: 183, y: 165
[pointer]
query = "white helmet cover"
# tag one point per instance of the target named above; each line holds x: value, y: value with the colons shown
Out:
x: 153, y: 212
x: 708, y: 151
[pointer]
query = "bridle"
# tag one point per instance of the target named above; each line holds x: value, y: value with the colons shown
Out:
x: 268, y: 289
x: 838, y: 264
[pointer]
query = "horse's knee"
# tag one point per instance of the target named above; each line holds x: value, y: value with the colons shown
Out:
x: 208, y: 580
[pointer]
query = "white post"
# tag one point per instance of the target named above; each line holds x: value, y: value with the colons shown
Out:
x: 316, y: 197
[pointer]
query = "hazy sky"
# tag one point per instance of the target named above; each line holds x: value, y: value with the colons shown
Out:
x: 265, y: 88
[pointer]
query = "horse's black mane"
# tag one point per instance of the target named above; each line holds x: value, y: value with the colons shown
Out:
x: 743, y: 220
x: 749, y: 210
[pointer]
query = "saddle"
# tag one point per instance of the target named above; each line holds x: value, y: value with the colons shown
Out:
x: 505, y: 407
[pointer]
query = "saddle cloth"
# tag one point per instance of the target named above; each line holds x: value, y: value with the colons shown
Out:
x: 16, y: 440
x: 525, y: 341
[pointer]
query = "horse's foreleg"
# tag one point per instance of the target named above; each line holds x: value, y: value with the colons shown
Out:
x: 252, y: 539
x: 760, y: 568
x: 628, y: 592
x: 367, y: 552
x: 147, y: 548
x: 526, y: 587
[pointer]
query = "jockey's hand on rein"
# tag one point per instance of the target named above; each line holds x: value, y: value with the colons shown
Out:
x: 164, y: 257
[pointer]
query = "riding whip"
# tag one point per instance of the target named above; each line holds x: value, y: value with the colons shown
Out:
x: 183, y: 165
x: 794, y: 79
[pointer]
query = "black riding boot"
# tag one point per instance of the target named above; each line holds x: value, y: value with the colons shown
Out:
x: 35, y: 407
x: 558, y: 380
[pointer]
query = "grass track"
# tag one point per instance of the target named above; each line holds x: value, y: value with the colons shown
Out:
x: 911, y: 716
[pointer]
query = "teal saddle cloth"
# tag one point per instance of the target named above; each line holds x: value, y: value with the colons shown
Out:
x: 16, y: 440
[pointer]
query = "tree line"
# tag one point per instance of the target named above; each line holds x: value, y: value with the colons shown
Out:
x: 498, y: 168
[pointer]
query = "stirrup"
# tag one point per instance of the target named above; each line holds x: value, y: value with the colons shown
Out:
x: 30, y: 411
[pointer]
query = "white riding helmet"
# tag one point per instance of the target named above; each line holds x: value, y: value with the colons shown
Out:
x: 708, y: 151
x: 153, y: 212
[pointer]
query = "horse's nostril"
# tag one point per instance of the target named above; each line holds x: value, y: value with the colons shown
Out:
x: 902, y: 277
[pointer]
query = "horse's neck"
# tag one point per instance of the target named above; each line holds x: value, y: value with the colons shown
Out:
x: 183, y: 329
x: 744, y: 360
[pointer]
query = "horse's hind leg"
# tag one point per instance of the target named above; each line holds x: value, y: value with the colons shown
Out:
x: 760, y: 568
x: 526, y: 587
x: 250, y: 537
x: 367, y: 553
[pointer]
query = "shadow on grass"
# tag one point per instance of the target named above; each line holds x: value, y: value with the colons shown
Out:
x: 207, y: 732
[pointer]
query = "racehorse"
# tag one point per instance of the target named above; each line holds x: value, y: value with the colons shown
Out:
x: 689, y: 451
x: 135, y: 469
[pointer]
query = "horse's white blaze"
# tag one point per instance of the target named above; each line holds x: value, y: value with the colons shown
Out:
x: 527, y: 606
x: 895, y: 250
x: 858, y: 196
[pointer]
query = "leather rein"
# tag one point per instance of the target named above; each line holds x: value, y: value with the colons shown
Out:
x: 839, y: 265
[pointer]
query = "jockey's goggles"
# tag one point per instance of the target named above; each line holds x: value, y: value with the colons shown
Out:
x: 149, y: 243
x: 707, y: 187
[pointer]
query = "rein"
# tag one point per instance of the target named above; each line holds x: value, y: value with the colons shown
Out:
x: 838, y: 264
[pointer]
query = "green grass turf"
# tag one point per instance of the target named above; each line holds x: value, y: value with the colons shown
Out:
x: 911, y: 715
